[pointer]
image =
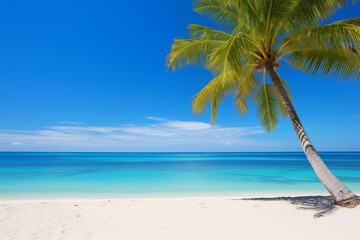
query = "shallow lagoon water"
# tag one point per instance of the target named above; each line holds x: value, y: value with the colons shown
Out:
x: 29, y: 174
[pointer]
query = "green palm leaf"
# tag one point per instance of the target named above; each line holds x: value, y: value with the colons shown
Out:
x: 327, y: 62
x: 191, y: 51
x: 223, y: 12
x: 206, y: 33
x: 245, y: 90
x: 341, y: 34
x: 309, y: 13
x: 229, y: 56
x: 220, y: 11
x: 268, y: 107
x: 214, y: 92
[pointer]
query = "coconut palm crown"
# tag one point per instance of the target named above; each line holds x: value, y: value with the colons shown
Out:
x: 260, y: 36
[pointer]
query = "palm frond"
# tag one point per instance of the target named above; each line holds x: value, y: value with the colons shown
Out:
x: 244, y: 90
x: 218, y: 10
x: 302, y: 14
x: 245, y: 10
x: 191, y: 51
x: 343, y: 3
x: 267, y: 106
x: 270, y: 14
x: 230, y: 55
x: 340, y: 34
x: 206, y: 33
x: 327, y: 62
x: 214, y: 92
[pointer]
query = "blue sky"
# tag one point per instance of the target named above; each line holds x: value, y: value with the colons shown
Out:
x: 91, y: 76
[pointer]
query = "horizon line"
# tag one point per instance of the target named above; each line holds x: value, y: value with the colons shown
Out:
x: 351, y: 151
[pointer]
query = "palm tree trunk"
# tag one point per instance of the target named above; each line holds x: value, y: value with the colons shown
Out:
x: 340, y: 193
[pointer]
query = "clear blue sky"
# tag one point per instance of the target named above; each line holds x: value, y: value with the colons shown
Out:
x: 85, y: 75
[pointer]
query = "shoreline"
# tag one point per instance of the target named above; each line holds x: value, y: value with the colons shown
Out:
x: 100, y: 197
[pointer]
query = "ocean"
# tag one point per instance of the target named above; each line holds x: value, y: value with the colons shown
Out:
x: 98, y: 175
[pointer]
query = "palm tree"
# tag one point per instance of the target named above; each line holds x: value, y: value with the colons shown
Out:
x: 259, y: 35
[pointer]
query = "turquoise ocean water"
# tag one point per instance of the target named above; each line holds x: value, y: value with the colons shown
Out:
x: 38, y: 175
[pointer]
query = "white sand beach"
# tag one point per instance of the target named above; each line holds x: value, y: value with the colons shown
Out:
x: 312, y: 217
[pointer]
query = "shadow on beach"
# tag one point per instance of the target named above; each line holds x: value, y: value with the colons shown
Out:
x: 322, y: 204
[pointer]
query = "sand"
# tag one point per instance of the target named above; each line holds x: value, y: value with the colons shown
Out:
x: 179, y: 218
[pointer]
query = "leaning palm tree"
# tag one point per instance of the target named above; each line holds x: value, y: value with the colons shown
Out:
x: 257, y: 36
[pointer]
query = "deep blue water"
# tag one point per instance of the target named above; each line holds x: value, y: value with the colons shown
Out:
x: 163, y: 174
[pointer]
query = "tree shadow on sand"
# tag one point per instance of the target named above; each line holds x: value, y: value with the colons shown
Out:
x: 322, y: 204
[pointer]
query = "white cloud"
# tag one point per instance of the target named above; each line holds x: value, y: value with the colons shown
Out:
x: 148, y: 131
x: 187, y: 126
x: 159, y: 135
x: 156, y: 119
x: 85, y: 129
x: 71, y: 122
x: 184, y: 125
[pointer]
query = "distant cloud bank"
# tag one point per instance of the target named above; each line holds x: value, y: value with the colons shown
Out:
x: 160, y: 134
x: 71, y: 123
